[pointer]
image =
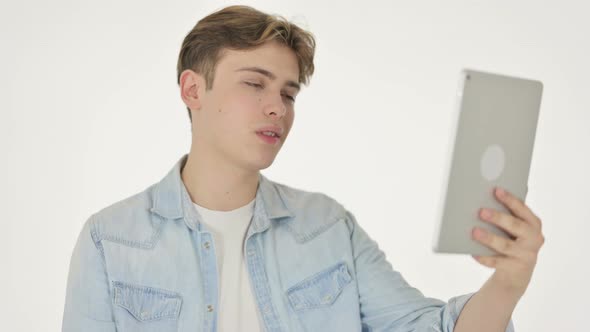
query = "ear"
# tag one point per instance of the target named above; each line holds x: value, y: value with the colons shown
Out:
x: 192, y: 87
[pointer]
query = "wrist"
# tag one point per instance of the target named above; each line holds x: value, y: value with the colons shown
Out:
x: 497, y: 285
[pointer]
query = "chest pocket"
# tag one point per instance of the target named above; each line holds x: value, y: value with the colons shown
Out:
x: 321, y: 289
x: 144, y: 308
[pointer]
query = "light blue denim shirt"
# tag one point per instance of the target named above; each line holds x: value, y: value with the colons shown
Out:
x: 147, y: 263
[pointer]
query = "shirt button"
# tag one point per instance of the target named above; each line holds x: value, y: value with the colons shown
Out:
x: 210, y: 308
x: 206, y: 245
x: 250, y: 252
x: 143, y: 314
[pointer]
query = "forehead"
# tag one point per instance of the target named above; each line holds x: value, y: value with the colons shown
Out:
x: 271, y: 56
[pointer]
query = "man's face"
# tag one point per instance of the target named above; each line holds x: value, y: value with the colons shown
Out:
x: 252, y: 91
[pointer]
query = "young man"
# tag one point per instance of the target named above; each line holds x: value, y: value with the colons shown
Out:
x: 217, y: 246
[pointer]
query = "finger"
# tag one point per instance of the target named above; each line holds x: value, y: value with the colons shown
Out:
x: 493, y: 262
x: 499, y: 244
x: 525, y: 234
x: 502, y: 262
x: 517, y: 207
x: 514, y: 226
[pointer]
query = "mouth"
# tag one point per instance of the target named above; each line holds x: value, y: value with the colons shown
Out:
x: 269, y: 133
x: 269, y: 137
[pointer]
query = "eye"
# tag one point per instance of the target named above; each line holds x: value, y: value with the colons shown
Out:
x: 256, y: 85
x: 289, y: 97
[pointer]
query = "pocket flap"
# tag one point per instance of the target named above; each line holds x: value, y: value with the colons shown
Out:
x: 147, y: 303
x: 321, y: 289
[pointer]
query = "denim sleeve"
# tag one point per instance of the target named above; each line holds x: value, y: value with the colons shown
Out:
x: 388, y: 302
x: 88, y: 305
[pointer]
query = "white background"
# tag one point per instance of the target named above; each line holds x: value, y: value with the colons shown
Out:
x: 91, y: 114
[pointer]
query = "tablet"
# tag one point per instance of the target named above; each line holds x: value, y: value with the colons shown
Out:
x: 491, y: 145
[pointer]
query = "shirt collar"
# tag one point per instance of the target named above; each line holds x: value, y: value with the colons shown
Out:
x: 170, y: 199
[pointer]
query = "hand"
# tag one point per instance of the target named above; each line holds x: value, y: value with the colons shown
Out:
x: 518, y: 256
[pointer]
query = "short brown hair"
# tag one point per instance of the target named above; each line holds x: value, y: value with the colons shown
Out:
x: 241, y: 28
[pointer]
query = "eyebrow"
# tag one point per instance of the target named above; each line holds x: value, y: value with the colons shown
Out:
x: 270, y: 75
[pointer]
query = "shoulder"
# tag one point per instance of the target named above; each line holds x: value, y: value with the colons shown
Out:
x: 311, y: 203
x: 127, y: 221
x: 313, y: 211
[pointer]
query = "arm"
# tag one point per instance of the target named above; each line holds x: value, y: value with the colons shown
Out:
x: 88, y: 303
x: 490, y: 309
x: 387, y: 301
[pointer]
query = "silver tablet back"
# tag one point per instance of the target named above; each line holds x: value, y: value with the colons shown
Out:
x: 493, y: 145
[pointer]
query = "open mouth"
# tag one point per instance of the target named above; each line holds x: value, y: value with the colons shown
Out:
x: 269, y: 133
x: 268, y: 136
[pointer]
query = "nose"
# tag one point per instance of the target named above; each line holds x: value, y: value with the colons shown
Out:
x: 276, y: 107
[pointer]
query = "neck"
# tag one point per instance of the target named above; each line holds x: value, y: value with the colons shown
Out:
x: 216, y: 184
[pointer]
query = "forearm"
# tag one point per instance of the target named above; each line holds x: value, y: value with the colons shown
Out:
x: 489, y: 310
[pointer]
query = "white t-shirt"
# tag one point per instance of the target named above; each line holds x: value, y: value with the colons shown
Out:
x: 237, y: 306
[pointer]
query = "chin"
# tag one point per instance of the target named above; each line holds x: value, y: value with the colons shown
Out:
x: 261, y: 163
x: 265, y: 164
x: 255, y: 158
